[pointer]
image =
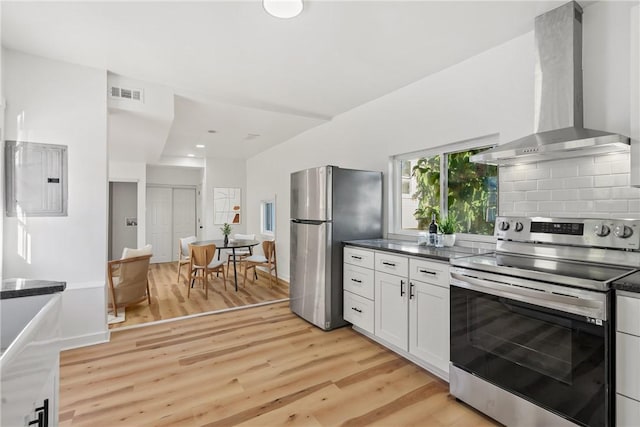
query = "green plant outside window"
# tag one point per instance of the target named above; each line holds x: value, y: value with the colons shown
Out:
x: 472, y: 192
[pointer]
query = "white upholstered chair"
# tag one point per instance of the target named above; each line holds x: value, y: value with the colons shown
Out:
x: 128, y: 278
x: 183, y: 252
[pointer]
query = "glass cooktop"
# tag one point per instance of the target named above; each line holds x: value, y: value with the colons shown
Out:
x: 572, y: 273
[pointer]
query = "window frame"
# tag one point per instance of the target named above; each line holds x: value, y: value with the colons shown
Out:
x: 263, y: 230
x: 395, y: 183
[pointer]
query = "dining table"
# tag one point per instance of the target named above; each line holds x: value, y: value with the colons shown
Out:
x: 232, y: 245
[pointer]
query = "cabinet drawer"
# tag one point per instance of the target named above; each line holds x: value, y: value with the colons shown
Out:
x: 358, y: 311
x: 628, y: 314
x: 358, y: 280
x: 627, y: 367
x: 627, y: 412
x: 359, y: 257
x: 392, y: 264
x: 436, y: 273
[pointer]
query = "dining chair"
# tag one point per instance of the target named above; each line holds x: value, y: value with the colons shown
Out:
x: 128, y: 278
x: 201, y: 261
x: 267, y: 260
x: 183, y: 252
x: 240, y: 253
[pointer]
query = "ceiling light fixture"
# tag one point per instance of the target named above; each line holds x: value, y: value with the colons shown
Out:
x: 212, y: 131
x: 199, y: 146
x: 284, y: 9
x: 191, y: 155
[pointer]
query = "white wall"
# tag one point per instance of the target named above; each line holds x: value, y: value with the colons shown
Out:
x: 58, y: 103
x: 170, y: 175
x: 223, y: 173
x: 133, y: 172
x: 491, y: 93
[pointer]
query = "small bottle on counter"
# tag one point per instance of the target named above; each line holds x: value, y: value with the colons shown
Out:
x: 433, y: 231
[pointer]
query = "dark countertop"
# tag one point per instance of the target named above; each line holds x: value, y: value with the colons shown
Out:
x: 412, y: 248
x: 16, y: 288
x: 630, y: 283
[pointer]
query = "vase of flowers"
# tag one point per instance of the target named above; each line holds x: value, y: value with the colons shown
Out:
x: 449, y: 225
x: 226, y: 230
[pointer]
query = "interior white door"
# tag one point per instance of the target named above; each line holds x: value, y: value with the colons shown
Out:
x: 159, y: 222
x: 184, y: 216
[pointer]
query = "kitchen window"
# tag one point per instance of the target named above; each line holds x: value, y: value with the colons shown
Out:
x: 421, y: 178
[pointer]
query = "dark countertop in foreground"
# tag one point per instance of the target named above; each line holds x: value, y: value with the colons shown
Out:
x: 630, y: 283
x: 16, y: 288
x: 412, y: 248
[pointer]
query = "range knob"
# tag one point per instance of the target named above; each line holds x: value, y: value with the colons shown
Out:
x: 504, y: 225
x: 519, y: 226
x: 602, y: 230
x: 623, y: 231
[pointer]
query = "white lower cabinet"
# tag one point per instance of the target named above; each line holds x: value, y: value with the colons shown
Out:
x: 392, y: 309
x: 429, y: 323
x: 358, y: 311
x: 627, y: 357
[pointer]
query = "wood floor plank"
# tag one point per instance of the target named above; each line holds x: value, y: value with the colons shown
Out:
x: 169, y: 298
x: 260, y: 366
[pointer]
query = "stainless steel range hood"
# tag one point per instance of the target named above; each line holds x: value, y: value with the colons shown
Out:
x: 558, y: 99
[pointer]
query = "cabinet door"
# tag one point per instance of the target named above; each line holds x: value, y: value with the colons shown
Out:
x: 391, y: 313
x: 627, y: 411
x: 627, y: 369
x: 429, y: 323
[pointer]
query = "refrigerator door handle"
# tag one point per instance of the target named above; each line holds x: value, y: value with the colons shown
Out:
x: 308, y: 221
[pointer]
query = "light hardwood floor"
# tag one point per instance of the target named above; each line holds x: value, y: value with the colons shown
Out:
x: 259, y: 366
x: 169, y: 298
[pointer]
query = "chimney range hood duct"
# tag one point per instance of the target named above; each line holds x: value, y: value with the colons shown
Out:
x: 558, y: 99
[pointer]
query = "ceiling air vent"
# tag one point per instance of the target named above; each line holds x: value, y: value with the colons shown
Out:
x: 126, y: 93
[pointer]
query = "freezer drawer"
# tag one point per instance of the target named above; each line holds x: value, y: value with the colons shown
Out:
x: 311, y: 194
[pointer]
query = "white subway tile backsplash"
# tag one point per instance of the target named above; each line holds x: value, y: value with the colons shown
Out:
x: 586, y: 187
x: 578, y: 182
x: 539, y: 195
x: 618, y: 180
x: 526, y: 206
x: 579, y: 206
x: 625, y: 193
x: 612, y: 205
x: 538, y: 174
x: 564, y: 171
x: 550, y: 184
x: 561, y: 195
x: 615, y: 157
x: 595, y: 193
x: 525, y: 185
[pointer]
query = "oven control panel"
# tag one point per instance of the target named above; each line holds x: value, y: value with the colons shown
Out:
x: 604, y: 233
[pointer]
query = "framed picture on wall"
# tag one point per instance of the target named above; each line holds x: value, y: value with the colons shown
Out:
x: 227, y: 205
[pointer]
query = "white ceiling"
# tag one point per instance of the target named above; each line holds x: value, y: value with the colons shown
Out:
x: 239, y: 71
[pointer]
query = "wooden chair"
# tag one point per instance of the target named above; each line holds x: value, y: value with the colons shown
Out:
x: 267, y: 260
x: 183, y: 252
x: 201, y: 261
x: 240, y: 253
x: 128, y: 281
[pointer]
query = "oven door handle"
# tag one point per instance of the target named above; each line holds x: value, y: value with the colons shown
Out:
x: 569, y: 304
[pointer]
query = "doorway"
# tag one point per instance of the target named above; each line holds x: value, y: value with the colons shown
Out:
x: 123, y: 217
x: 171, y: 215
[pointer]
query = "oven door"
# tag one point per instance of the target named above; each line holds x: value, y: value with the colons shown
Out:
x: 555, y: 359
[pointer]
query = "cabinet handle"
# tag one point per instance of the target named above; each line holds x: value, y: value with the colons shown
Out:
x: 356, y: 280
x: 422, y: 270
x: 43, y: 415
x: 411, y: 287
x: 390, y: 264
x: 402, y: 292
x: 356, y: 257
x: 356, y: 309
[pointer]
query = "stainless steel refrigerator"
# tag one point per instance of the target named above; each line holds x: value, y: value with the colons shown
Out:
x: 328, y: 206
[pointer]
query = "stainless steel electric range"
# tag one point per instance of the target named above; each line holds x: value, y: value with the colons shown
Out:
x: 531, y: 324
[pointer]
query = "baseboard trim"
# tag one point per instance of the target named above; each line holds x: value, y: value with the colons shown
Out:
x: 85, y: 340
x: 191, y: 316
x: 266, y: 275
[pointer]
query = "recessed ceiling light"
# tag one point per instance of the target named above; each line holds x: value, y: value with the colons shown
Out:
x: 283, y: 8
x: 191, y: 155
x: 199, y: 146
x: 212, y: 131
